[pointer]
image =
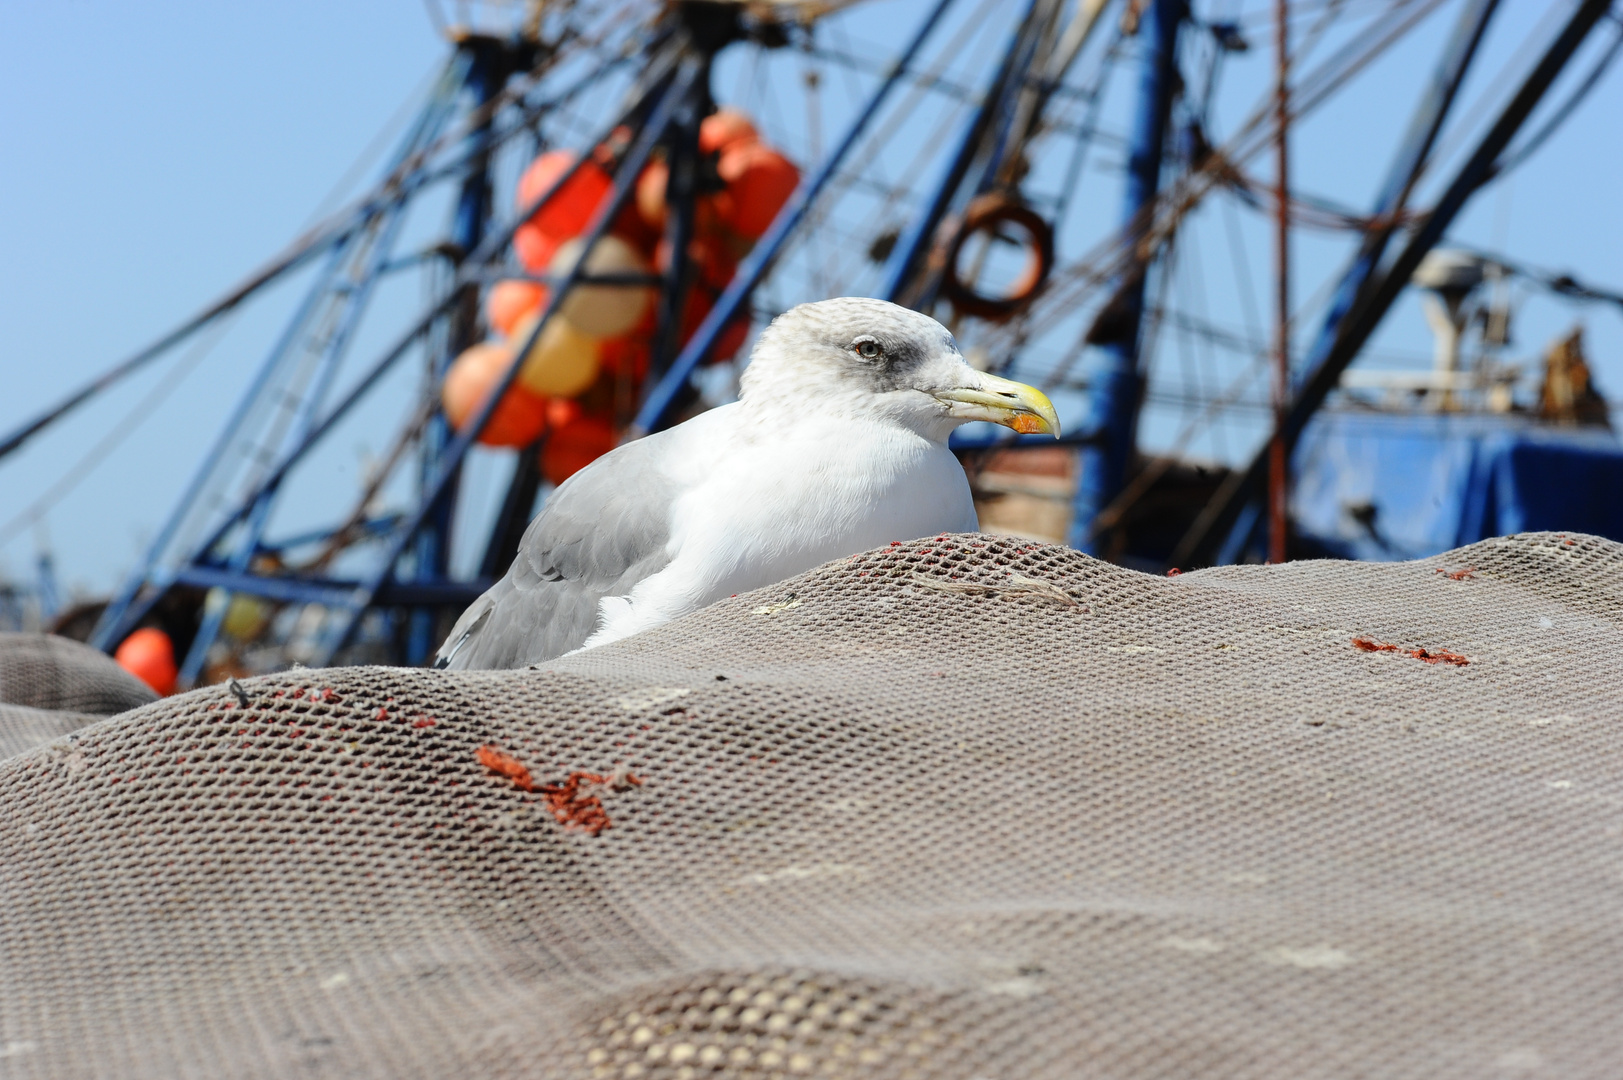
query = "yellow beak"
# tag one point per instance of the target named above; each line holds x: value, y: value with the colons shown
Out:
x: 1015, y: 405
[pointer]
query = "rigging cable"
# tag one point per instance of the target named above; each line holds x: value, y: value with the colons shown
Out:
x: 144, y: 408
x: 1564, y: 111
x: 335, y: 229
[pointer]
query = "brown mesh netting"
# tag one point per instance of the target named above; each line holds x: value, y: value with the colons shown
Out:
x: 966, y: 807
x: 51, y: 685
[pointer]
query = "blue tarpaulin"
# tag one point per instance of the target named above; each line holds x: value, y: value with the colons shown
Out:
x: 1382, y: 487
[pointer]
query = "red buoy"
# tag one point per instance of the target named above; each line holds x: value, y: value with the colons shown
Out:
x: 760, y: 180
x: 575, y: 445
x: 149, y: 655
x: 511, y: 302
x: 724, y: 129
x: 571, y: 206
x: 520, y: 417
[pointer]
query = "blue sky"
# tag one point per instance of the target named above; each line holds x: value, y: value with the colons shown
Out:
x: 156, y: 153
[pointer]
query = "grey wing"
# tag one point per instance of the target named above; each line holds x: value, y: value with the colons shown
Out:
x: 601, y: 532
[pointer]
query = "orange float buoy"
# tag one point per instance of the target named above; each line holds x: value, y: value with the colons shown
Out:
x: 575, y: 445
x: 625, y: 357
x: 725, y: 128
x: 534, y: 248
x: 571, y: 206
x: 603, y: 310
x: 149, y: 655
x: 759, y: 180
x: 730, y: 340
x: 511, y: 302
x: 650, y: 195
x: 561, y: 412
x: 520, y: 416
x: 563, y: 361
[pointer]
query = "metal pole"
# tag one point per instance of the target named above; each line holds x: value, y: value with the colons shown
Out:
x: 486, y: 76
x: 1278, y: 493
x: 1372, y: 302
x: 655, y: 412
x: 1114, y: 400
x: 681, y: 194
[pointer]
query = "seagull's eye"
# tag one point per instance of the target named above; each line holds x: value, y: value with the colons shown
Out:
x: 867, y: 348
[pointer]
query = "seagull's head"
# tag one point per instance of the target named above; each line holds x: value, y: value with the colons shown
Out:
x: 875, y: 358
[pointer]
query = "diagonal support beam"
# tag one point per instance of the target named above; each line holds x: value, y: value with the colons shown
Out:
x: 1118, y: 383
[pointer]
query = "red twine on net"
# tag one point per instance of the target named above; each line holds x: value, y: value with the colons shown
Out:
x: 1439, y: 656
x: 506, y: 765
x: 577, y: 802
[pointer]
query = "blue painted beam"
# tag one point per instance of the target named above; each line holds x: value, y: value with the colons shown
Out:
x: 486, y: 76
x: 1116, y: 391
x: 333, y: 592
x: 902, y: 265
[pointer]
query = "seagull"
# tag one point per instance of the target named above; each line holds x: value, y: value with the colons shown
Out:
x: 837, y: 444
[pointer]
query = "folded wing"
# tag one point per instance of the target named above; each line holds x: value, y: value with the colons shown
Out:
x: 605, y: 529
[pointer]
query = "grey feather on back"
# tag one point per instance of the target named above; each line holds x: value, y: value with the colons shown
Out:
x: 602, y: 531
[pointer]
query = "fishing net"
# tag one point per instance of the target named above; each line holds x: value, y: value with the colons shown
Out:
x: 51, y: 685
x: 965, y: 807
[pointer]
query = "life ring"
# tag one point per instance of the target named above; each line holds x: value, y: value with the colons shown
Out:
x: 986, y: 213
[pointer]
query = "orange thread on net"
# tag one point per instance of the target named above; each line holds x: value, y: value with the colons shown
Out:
x: 1441, y: 656
x: 1174, y: 572
x: 577, y: 802
x: 1430, y: 656
x: 505, y: 765
x: 1457, y: 575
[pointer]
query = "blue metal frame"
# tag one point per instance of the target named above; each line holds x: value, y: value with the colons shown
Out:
x: 144, y: 589
x: 353, y: 297
x: 343, y: 620
x: 902, y: 265
x: 128, y: 606
x: 1116, y: 391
